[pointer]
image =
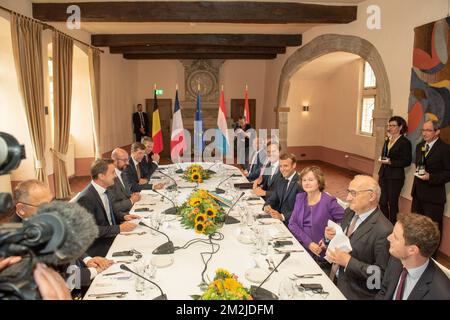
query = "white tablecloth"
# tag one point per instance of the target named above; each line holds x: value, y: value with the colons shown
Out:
x: 180, y: 280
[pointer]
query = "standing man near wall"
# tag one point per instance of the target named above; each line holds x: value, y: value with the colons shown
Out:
x: 428, y: 191
x: 141, y: 125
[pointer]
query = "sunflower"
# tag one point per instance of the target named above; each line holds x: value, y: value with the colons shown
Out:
x: 199, y: 227
x: 194, y: 201
x: 203, y: 194
x: 200, y: 218
x: 211, y: 212
x: 195, y: 176
x: 195, y: 170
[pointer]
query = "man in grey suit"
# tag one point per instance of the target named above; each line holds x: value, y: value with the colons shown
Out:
x: 120, y: 192
x: 411, y: 274
x: 367, y: 229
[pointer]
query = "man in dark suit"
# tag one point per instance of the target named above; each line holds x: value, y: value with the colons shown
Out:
x: 96, y: 200
x: 244, y: 134
x: 140, y: 123
x: 120, y: 191
x: 428, y: 191
x: 266, y: 182
x: 281, y: 201
x: 257, y: 160
x: 411, y: 274
x: 136, y: 173
x: 367, y: 228
x: 150, y: 160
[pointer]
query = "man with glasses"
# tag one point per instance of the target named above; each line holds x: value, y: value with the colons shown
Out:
x: 120, y: 192
x: 367, y: 228
x: 428, y: 191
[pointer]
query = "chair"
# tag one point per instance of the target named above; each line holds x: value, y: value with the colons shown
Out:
x: 75, y: 199
x: 343, y: 204
x: 443, y: 268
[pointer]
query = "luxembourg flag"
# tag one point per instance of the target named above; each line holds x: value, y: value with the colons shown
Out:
x: 177, y: 139
x: 223, y: 139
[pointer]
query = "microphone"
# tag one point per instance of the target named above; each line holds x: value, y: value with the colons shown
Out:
x: 259, y: 293
x: 231, y: 220
x: 162, y: 296
x: 172, y: 210
x: 180, y: 170
x: 165, y: 248
x: 173, y: 186
x: 219, y: 190
x: 209, y: 168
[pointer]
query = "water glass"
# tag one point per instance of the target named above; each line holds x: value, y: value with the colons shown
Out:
x: 264, y: 238
x: 286, y: 289
x: 250, y: 218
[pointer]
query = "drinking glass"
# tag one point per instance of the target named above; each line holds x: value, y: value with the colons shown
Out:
x: 286, y: 289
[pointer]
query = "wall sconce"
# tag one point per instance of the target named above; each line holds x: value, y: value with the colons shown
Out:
x: 306, y: 108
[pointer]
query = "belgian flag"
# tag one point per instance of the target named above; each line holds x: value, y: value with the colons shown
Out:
x: 156, y: 127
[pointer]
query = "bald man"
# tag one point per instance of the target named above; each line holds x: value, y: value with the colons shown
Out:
x: 368, y: 229
x: 121, y: 196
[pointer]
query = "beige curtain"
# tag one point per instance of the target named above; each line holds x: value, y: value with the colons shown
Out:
x: 94, y: 74
x: 62, y: 97
x: 27, y: 49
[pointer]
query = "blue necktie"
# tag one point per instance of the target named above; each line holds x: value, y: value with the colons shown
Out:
x: 111, y: 211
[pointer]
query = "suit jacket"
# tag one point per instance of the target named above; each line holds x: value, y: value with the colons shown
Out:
x: 370, y: 247
x: 268, y: 184
x: 137, y: 122
x: 120, y: 197
x: 308, y: 224
x: 283, y: 200
x: 254, y: 169
x: 90, y: 200
x: 400, y: 156
x: 432, y: 285
x: 131, y: 176
x: 437, y: 164
x: 149, y: 166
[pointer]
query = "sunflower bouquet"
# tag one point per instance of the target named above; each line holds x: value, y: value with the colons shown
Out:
x: 225, y: 286
x: 196, y: 173
x: 201, y: 213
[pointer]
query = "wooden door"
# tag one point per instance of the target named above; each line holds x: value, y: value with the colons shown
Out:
x: 165, y: 116
x: 237, y: 110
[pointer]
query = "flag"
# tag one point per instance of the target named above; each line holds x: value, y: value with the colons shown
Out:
x: 246, y: 108
x: 198, y: 128
x: 156, y: 128
x: 177, y: 139
x: 223, y: 138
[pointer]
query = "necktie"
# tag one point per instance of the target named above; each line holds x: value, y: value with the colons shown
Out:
x: 142, y: 119
x: 427, y: 149
x: 111, y: 211
x: 138, y: 170
x: 350, y: 229
x: 401, y: 285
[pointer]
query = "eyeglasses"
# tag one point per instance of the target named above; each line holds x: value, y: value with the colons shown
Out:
x: 428, y: 130
x: 354, y: 193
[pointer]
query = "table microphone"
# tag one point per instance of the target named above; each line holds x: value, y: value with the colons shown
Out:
x: 259, y: 293
x: 209, y: 168
x: 165, y: 248
x: 227, y: 218
x: 173, y: 186
x: 219, y: 190
x: 162, y: 296
x: 172, y: 210
x: 180, y: 170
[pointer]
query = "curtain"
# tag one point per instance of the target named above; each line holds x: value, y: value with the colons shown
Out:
x: 94, y: 75
x: 27, y: 49
x: 62, y: 97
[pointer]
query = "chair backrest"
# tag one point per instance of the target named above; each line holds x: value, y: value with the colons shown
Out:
x: 443, y: 268
x: 75, y: 199
x: 342, y: 203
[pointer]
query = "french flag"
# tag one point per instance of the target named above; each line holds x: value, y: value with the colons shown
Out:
x: 177, y: 139
x: 223, y: 140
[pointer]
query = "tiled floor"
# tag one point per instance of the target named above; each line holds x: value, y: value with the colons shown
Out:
x: 336, y: 180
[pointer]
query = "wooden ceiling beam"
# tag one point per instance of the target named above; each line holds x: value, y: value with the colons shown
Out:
x: 199, y: 11
x: 162, y: 49
x: 181, y: 56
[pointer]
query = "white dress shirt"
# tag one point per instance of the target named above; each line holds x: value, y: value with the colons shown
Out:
x: 102, y: 193
x: 411, y: 280
x: 119, y: 175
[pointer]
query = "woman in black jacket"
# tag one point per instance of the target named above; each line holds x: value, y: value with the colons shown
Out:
x: 392, y: 171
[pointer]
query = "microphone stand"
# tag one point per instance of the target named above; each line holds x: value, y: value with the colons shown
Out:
x: 174, y: 186
x: 172, y: 210
x: 227, y: 218
x: 162, y: 296
x: 259, y: 293
x: 165, y: 248
x: 219, y: 190
x: 180, y: 170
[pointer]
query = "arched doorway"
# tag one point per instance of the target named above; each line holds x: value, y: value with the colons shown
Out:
x: 326, y: 44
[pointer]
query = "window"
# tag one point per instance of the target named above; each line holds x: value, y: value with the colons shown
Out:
x: 368, y: 100
x: 50, y: 81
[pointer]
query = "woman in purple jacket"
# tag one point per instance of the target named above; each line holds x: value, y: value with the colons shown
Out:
x: 313, y: 208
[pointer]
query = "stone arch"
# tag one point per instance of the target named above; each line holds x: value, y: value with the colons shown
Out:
x: 326, y: 44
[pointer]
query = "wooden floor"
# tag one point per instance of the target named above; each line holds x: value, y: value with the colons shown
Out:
x: 336, y: 183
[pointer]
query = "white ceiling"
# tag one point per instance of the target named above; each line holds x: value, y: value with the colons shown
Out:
x: 324, y: 66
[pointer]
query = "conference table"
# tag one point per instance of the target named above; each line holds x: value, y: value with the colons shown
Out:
x: 179, y: 274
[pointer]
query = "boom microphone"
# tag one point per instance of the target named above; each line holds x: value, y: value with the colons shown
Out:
x: 162, y: 296
x: 172, y: 210
x: 165, y: 248
x: 175, y: 185
x: 227, y: 218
